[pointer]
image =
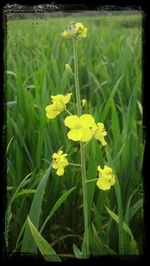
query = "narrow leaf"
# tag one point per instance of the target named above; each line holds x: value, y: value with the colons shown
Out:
x: 45, y: 248
x: 116, y: 219
x: 77, y: 252
x: 56, y: 206
x: 35, y: 212
x: 108, y: 104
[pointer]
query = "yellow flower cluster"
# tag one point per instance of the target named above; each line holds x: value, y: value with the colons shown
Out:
x: 106, y: 178
x: 75, y: 30
x: 58, y: 105
x: 83, y: 128
x: 59, y: 162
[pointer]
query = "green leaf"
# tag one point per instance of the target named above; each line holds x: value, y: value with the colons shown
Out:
x: 133, y: 247
x: 134, y: 208
x: 25, y: 192
x: 8, y: 214
x: 77, y: 252
x: 45, y: 248
x: 140, y: 107
x: 97, y: 244
x: 91, y: 174
x: 110, y: 250
x: 108, y: 104
x: 115, y: 121
x: 56, y: 206
x: 8, y: 146
x: 35, y: 212
x: 116, y: 219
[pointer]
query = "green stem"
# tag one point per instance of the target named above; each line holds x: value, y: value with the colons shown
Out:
x: 120, y: 212
x: 82, y: 151
x: 68, y: 111
x: 75, y: 164
x: 76, y: 73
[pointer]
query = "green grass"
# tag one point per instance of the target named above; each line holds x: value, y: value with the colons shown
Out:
x: 110, y: 79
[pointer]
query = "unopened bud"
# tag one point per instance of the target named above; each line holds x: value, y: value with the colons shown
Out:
x: 83, y: 102
x: 69, y: 69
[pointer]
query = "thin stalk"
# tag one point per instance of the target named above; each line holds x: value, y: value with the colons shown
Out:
x: 120, y: 212
x: 82, y: 151
x: 75, y: 164
x: 68, y: 111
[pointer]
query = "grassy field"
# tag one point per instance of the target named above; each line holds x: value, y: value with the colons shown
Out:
x: 111, y: 81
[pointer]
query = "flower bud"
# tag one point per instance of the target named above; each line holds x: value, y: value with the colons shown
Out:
x: 69, y: 69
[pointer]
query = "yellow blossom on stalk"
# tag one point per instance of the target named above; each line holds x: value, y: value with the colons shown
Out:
x: 80, y: 30
x: 59, y: 162
x: 58, y: 105
x: 101, y: 133
x: 75, y: 30
x: 106, y: 178
x: 81, y: 128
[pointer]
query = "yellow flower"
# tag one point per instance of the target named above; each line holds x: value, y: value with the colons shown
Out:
x: 106, y: 178
x: 66, y: 34
x: 101, y: 133
x: 81, y: 128
x: 59, y: 162
x: 58, y: 105
x: 75, y: 30
x: 80, y: 30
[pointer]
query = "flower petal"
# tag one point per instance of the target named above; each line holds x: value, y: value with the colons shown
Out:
x: 103, y: 183
x: 55, y: 165
x: 112, y: 181
x: 55, y: 155
x: 75, y: 134
x: 67, y: 98
x: 60, y: 171
x: 60, y: 152
x: 107, y: 170
x: 71, y: 121
x: 100, y: 133
x: 58, y: 97
x: 87, y: 120
x: 87, y: 135
x: 51, y: 111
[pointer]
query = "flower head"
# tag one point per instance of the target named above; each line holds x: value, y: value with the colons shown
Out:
x: 106, y: 178
x: 81, y: 128
x: 59, y: 162
x: 76, y: 30
x: 80, y: 30
x: 101, y: 133
x: 84, y: 128
x: 58, y: 105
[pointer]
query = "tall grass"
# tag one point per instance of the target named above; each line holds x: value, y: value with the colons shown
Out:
x: 110, y: 79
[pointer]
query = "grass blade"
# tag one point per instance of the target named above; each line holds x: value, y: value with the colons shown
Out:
x: 35, y: 212
x: 56, y: 206
x: 109, y: 102
x: 45, y: 248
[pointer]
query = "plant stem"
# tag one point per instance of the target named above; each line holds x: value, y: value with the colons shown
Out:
x: 75, y: 164
x: 68, y: 111
x: 82, y: 151
x: 120, y: 213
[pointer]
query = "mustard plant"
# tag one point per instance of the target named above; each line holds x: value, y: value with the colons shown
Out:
x: 82, y: 128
